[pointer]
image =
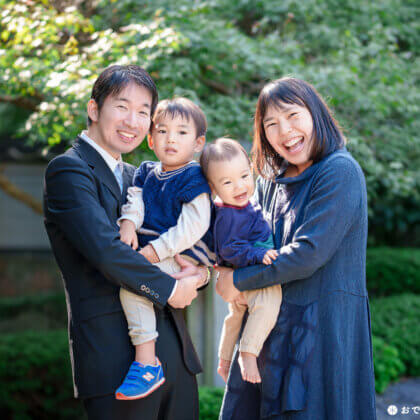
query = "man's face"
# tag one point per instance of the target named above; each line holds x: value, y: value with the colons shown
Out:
x: 123, y: 121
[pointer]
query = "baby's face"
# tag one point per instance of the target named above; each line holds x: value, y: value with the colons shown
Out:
x: 174, y: 141
x: 232, y: 180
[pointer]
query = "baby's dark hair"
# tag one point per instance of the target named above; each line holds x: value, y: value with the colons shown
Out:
x: 182, y: 107
x: 222, y: 149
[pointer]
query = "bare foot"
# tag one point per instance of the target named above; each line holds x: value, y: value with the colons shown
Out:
x: 249, y: 368
x: 223, y: 369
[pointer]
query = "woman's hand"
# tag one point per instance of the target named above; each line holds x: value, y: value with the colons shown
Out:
x: 224, y: 286
x: 189, y: 269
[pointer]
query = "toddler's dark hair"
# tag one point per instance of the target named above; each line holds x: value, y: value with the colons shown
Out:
x: 222, y: 149
x: 184, y: 108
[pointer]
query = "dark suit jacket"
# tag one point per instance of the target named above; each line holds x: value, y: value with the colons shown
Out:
x: 82, y: 202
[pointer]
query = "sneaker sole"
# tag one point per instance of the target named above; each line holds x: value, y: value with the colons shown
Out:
x: 120, y: 396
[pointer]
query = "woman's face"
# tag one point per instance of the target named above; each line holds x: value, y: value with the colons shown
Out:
x: 289, y: 131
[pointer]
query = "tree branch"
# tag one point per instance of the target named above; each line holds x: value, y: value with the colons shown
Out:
x: 21, y: 102
x: 19, y: 195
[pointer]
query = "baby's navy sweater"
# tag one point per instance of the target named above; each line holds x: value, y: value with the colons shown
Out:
x: 241, y: 234
x: 164, y: 193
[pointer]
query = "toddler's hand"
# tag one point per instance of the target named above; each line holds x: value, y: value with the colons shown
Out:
x: 128, y: 234
x: 149, y: 253
x: 270, y: 256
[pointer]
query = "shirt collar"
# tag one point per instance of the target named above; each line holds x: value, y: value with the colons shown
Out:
x: 110, y: 161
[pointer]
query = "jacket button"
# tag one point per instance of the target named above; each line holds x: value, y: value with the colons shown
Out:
x: 147, y: 290
x: 157, y: 295
x: 143, y: 287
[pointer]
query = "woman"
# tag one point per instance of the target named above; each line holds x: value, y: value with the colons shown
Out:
x: 317, y: 361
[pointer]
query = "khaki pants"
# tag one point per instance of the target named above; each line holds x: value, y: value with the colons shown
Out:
x: 263, y: 306
x: 139, y: 310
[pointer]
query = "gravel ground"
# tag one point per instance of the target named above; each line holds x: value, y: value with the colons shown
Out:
x: 405, y: 396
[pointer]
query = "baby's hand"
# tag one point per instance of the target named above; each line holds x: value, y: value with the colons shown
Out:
x: 240, y: 300
x: 270, y: 256
x: 149, y: 253
x: 128, y: 233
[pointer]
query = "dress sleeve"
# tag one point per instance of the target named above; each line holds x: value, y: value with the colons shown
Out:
x: 134, y: 208
x: 334, y: 204
x: 192, y: 224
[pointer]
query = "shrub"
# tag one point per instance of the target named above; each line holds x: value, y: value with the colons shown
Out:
x: 35, y: 377
x: 392, y: 271
x: 44, y: 312
x: 388, y: 365
x: 210, y: 402
x: 36, y: 382
x: 52, y: 305
x: 395, y: 321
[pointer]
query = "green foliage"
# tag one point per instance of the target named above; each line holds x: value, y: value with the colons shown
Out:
x: 395, y: 320
x: 392, y: 271
x: 33, y: 312
x: 36, y: 382
x: 35, y: 377
x: 362, y: 56
x: 210, y: 402
x: 388, y: 365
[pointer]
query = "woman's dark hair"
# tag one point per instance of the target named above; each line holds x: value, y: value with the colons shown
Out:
x: 184, y: 108
x: 115, y: 78
x: 327, y: 136
x: 221, y: 150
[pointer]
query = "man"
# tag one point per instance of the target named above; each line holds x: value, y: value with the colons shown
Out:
x: 84, y: 190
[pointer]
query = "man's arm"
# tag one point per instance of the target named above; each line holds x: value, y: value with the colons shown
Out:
x: 72, y: 203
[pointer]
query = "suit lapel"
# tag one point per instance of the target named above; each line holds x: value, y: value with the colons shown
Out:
x: 101, y: 169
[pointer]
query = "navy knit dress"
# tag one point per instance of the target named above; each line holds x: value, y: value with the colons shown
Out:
x: 317, y: 362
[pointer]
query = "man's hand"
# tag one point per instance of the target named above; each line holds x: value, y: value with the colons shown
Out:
x: 149, y: 253
x: 128, y: 233
x: 189, y: 269
x: 224, y: 285
x: 185, y: 292
x: 269, y: 256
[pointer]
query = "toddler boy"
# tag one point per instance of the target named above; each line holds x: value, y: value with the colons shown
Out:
x: 169, y: 205
x: 242, y: 237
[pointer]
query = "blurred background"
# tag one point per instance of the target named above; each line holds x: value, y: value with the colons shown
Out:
x: 362, y: 56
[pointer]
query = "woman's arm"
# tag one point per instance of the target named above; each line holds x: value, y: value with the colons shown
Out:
x: 335, y: 203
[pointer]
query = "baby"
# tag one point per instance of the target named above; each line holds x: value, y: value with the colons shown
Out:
x: 242, y: 237
x: 169, y: 205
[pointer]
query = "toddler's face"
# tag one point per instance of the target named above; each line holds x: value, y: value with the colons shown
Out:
x: 174, y: 141
x: 232, y: 180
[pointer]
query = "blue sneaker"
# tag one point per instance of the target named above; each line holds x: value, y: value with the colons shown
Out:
x: 140, y: 381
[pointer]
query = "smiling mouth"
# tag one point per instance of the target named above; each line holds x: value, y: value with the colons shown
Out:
x: 241, y: 197
x: 295, y: 145
x: 125, y: 135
